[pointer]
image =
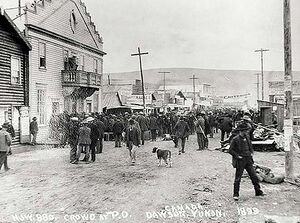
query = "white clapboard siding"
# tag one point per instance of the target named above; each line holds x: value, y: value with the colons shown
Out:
x: 55, y: 17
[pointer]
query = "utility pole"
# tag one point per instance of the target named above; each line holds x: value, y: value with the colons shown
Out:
x: 19, y: 8
x: 194, y: 90
x: 262, y: 70
x: 288, y: 80
x: 141, y: 70
x: 257, y: 85
x: 164, y: 102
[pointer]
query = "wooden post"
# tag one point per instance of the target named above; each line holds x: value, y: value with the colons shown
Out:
x: 262, y: 70
x: 141, y: 70
x: 194, y: 90
x: 164, y: 102
x: 288, y: 80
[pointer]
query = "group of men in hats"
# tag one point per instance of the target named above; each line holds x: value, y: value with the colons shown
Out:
x: 83, y: 137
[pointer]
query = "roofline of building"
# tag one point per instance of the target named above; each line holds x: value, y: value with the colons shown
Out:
x: 63, y: 38
x: 13, y: 25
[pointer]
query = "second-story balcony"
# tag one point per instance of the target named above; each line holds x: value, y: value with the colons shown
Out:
x: 79, y: 78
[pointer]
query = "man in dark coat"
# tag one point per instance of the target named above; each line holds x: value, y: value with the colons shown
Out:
x: 160, y: 124
x: 241, y: 150
x: 211, y: 121
x: 238, y: 117
x: 34, y: 130
x: 200, y: 126
x: 153, y: 127
x: 101, y: 128
x: 144, y: 125
x: 132, y: 140
x: 206, y: 129
x: 226, y: 126
x: 84, y: 141
x: 73, y: 138
x: 5, y: 142
x: 118, y: 129
x: 181, y: 132
x: 94, y: 139
x: 191, y: 123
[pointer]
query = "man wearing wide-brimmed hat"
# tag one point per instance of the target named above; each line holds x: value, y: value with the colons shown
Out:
x: 200, y: 126
x: 5, y: 142
x: 132, y: 140
x: 34, y: 130
x: 73, y: 138
x: 241, y: 150
x: 84, y: 141
x: 144, y: 125
x: 181, y: 131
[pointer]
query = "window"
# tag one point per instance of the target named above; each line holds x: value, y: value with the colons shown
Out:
x: 55, y: 107
x: 15, y: 69
x: 66, y: 55
x: 41, y: 106
x: 73, y: 21
x: 95, y: 66
x: 81, y: 62
x: 89, y: 106
x: 296, y: 109
x: 66, y: 58
x: 96, y: 101
x: 42, y: 55
x: 81, y: 105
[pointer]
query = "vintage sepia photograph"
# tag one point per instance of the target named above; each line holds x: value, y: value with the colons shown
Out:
x: 150, y: 111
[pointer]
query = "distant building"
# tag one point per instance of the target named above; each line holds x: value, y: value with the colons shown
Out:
x: 14, y: 76
x: 203, y: 93
x: 276, y: 95
x: 111, y: 100
x: 124, y: 91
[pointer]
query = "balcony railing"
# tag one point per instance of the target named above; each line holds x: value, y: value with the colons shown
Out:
x: 78, y: 78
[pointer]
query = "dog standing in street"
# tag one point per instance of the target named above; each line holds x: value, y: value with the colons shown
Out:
x: 163, y: 155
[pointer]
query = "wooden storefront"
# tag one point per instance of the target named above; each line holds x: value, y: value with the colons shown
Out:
x: 14, y: 76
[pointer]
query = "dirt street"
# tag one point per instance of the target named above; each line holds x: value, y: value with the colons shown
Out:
x: 44, y: 187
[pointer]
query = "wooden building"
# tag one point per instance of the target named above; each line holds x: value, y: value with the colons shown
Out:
x: 66, y: 61
x: 14, y: 76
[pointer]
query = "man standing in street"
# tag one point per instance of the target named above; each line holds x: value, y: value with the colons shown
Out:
x: 206, y: 128
x: 118, y: 129
x: 34, y: 130
x: 153, y: 127
x: 241, y: 150
x: 143, y: 122
x: 84, y: 141
x: 181, y: 132
x: 200, y: 125
x: 94, y: 139
x: 10, y: 129
x: 73, y: 138
x: 5, y: 142
x: 101, y: 128
x: 211, y: 121
x: 226, y: 127
x: 133, y: 140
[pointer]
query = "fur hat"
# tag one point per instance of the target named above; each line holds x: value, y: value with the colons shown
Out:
x: 242, y: 127
x: 5, y: 125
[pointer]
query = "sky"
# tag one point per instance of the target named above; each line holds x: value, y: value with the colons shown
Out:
x: 208, y: 34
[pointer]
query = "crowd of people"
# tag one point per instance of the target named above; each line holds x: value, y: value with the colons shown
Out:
x: 85, y: 134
